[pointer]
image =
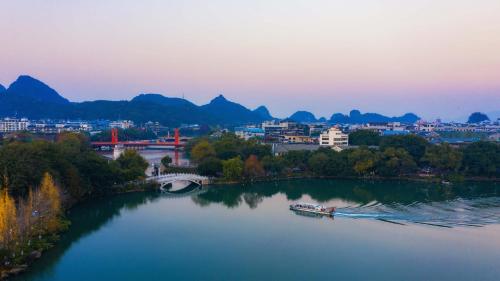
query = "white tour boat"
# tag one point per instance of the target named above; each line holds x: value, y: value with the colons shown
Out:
x: 313, y: 208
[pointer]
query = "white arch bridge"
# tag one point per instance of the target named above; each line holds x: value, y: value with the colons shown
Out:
x: 165, y: 180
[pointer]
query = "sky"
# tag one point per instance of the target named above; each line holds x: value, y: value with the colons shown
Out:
x: 434, y: 58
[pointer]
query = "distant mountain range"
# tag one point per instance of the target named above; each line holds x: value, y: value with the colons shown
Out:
x: 354, y: 117
x: 31, y: 98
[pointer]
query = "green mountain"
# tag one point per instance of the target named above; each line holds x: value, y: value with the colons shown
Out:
x: 303, y: 116
x: 162, y: 100
x: 26, y: 87
x: 263, y: 112
x: 230, y: 113
x: 477, y: 117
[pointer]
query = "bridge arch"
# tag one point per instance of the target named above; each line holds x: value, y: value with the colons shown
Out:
x: 164, y: 180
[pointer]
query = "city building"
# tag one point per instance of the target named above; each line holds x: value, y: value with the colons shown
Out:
x: 8, y: 125
x: 299, y: 139
x: 121, y: 124
x: 248, y: 133
x: 275, y: 131
x: 384, y: 126
x: 334, y: 137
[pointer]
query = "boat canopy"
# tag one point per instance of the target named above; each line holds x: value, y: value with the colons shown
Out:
x: 310, y: 205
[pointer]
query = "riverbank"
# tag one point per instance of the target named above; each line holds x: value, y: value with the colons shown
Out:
x: 222, y: 181
x: 36, y: 252
x: 40, y: 244
x: 226, y: 228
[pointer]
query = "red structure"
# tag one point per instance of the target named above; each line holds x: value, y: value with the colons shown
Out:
x: 141, y: 144
x: 114, y: 136
x: 176, y: 136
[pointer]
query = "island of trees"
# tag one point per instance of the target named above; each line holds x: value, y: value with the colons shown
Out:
x: 233, y: 159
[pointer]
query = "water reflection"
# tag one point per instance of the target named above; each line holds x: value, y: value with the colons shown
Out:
x: 468, y: 204
x: 102, y: 226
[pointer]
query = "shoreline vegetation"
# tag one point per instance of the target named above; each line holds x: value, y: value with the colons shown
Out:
x: 41, y: 180
x: 410, y: 157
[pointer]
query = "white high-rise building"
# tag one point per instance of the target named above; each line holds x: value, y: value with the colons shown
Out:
x: 8, y: 125
x: 333, y: 137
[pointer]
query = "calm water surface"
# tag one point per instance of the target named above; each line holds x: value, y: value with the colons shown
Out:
x: 384, y: 231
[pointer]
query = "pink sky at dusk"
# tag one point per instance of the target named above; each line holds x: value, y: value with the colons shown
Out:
x: 434, y: 58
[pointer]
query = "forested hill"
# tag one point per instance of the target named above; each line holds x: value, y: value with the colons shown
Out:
x: 31, y: 98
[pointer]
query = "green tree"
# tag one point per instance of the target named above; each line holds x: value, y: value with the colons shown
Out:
x: 166, y: 161
x: 318, y: 162
x: 482, y: 159
x: 132, y: 165
x: 210, y: 167
x: 443, y: 157
x: 395, y: 162
x: 273, y: 165
x: 201, y: 151
x: 415, y: 145
x: 232, y: 169
x: 362, y: 160
x: 337, y: 164
x: 229, y: 146
x: 297, y: 159
x: 364, y: 137
x: 253, y: 147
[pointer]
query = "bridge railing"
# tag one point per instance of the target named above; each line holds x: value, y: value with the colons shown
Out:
x: 177, y: 175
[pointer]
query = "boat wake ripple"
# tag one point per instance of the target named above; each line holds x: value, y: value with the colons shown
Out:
x: 474, y: 212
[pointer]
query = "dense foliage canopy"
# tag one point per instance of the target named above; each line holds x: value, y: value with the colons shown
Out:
x: 397, y: 156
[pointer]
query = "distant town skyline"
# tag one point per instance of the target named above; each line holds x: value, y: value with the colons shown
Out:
x: 433, y: 58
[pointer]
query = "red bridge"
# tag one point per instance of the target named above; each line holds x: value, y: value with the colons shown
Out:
x: 138, y: 144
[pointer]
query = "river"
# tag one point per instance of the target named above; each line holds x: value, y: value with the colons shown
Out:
x: 384, y: 231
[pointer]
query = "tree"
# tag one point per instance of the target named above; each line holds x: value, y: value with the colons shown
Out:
x: 297, y: 159
x: 210, y: 167
x: 317, y: 163
x: 395, y: 162
x: 26, y: 215
x: 201, y: 151
x: 482, y: 159
x: 232, y: 169
x: 229, y: 146
x: 477, y: 117
x: 337, y: 164
x: 132, y: 165
x: 253, y: 147
x: 8, y: 219
x: 364, y: 137
x: 253, y: 167
x: 415, y: 145
x: 166, y: 161
x: 362, y: 160
x: 443, y: 157
x: 273, y: 165
x: 49, y: 203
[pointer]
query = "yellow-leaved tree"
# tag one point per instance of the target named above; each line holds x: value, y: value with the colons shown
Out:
x: 49, y: 203
x: 8, y: 220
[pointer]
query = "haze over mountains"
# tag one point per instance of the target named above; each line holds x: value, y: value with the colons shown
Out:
x: 31, y: 98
